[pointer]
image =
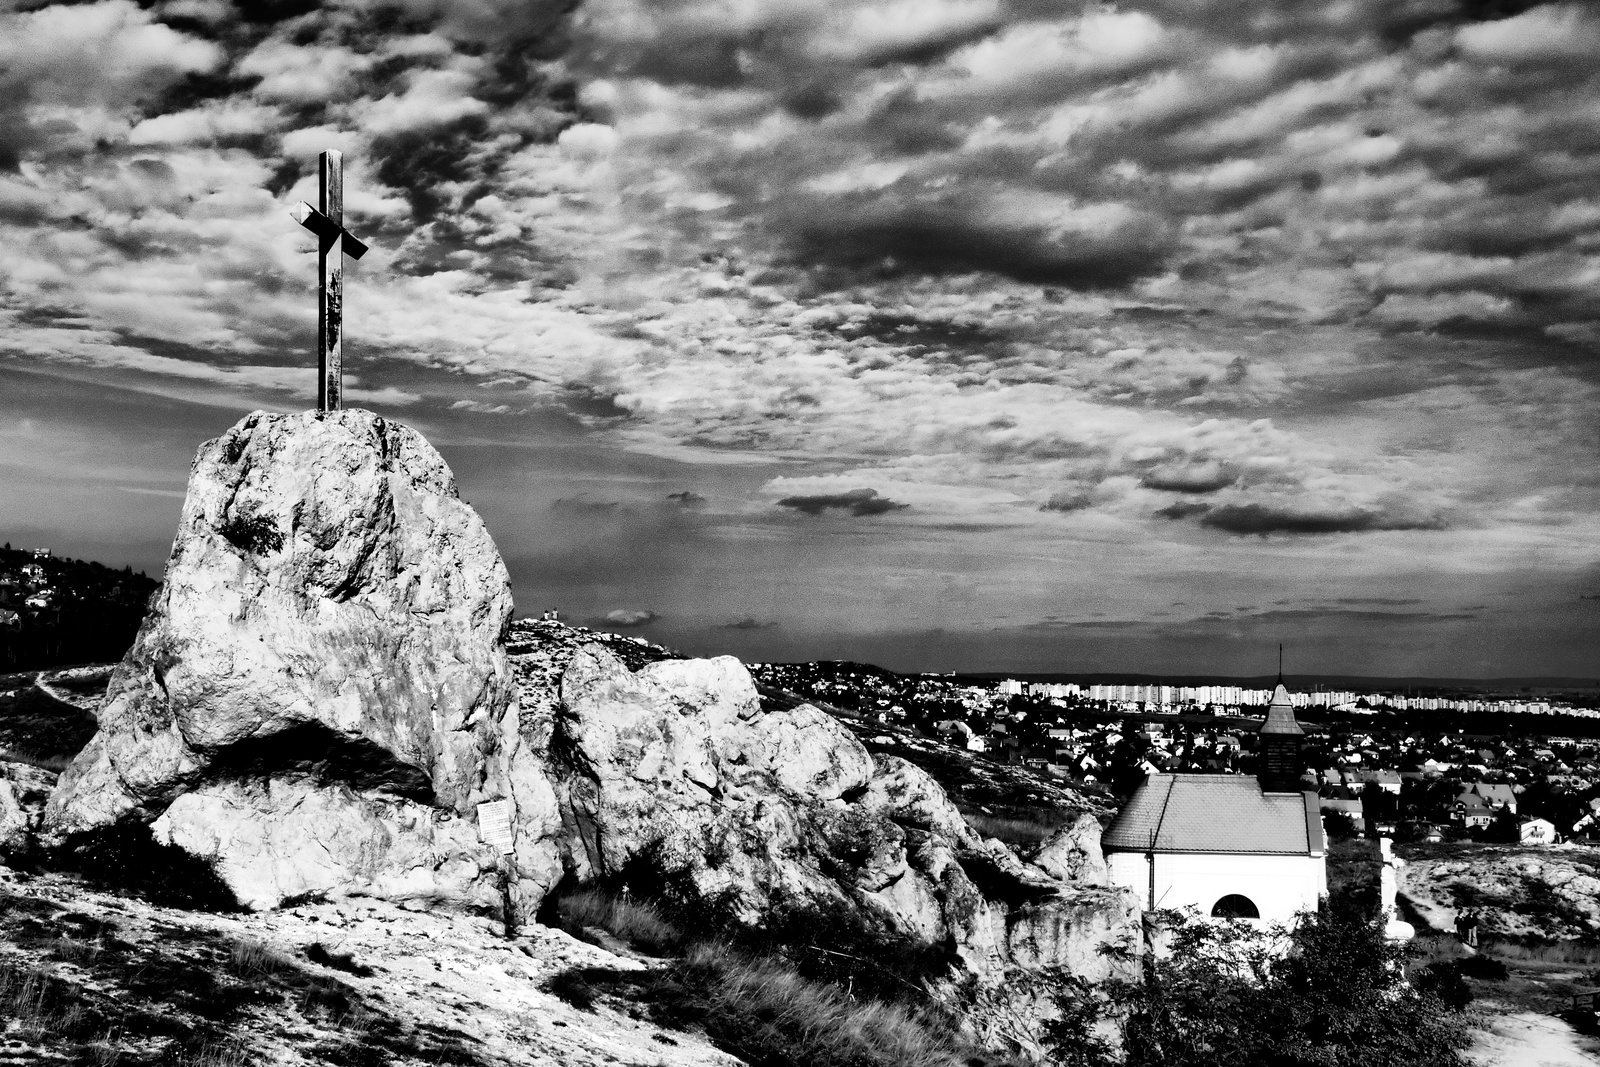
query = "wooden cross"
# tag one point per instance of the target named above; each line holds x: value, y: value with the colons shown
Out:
x: 334, y: 243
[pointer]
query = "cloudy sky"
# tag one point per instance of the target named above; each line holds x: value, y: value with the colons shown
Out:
x: 1002, y: 334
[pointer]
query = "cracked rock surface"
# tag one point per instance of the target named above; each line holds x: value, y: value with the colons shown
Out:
x: 332, y: 615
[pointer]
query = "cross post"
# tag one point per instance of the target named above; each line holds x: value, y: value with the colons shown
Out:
x: 334, y: 242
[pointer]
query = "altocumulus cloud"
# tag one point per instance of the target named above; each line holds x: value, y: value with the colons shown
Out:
x: 1130, y: 270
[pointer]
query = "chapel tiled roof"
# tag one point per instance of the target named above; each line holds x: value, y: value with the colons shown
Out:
x: 1215, y: 813
x: 1280, y: 715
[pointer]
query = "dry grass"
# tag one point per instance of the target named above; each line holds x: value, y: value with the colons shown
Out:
x: 1014, y: 830
x: 55, y: 763
x: 232, y: 1053
x: 636, y: 923
x: 252, y: 959
x: 38, y: 1004
x: 1579, y: 953
x: 760, y: 1002
x: 1435, y: 948
x: 766, y: 1013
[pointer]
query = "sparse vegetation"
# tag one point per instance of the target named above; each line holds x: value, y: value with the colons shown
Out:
x: 125, y: 858
x: 253, y: 533
x: 251, y: 959
x: 635, y: 922
x: 1582, y: 953
x: 1224, y: 996
x: 818, y: 987
x: 764, y: 1011
x: 73, y: 985
x: 1015, y: 829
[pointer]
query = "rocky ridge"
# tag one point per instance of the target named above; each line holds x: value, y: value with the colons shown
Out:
x: 329, y: 689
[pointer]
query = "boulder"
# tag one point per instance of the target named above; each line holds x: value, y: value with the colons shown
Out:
x: 674, y: 776
x: 328, y: 638
x: 277, y: 840
x: 14, y: 821
x: 1073, y: 853
x: 23, y: 789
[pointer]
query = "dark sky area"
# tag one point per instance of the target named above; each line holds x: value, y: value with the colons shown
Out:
x: 950, y: 334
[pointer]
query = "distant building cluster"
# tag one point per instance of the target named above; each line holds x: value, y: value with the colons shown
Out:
x: 1230, y: 699
x: 1386, y: 776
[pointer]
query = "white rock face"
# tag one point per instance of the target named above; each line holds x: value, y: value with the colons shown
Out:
x: 14, y: 821
x: 676, y: 767
x: 276, y: 840
x: 22, y: 792
x: 1073, y: 853
x: 332, y: 613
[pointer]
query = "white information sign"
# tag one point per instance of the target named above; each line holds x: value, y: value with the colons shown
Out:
x: 494, y: 825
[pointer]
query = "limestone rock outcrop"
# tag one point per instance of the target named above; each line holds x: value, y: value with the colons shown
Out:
x: 14, y: 821
x: 1073, y: 853
x: 322, y: 697
x: 23, y: 791
x: 675, y: 769
x: 326, y: 653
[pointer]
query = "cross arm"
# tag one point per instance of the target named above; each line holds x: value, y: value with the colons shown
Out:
x: 327, y: 229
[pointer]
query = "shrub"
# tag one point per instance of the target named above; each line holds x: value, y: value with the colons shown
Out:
x: 1485, y: 967
x: 254, y: 533
x: 1444, y: 981
x: 1224, y: 996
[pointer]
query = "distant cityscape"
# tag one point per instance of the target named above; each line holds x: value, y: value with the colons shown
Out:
x: 1399, y: 765
x: 1232, y: 699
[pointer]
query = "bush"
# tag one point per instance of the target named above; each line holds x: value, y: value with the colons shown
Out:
x: 1225, y: 996
x: 1485, y: 967
x: 1444, y: 981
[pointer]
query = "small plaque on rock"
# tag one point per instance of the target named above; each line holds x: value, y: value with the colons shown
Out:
x: 494, y: 825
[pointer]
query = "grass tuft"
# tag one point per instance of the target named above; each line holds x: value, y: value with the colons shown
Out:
x: 253, y: 959
x: 765, y: 1012
x: 1585, y: 953
x: 1017, y: 830
x: 635, y: 922
x: 55, y: 763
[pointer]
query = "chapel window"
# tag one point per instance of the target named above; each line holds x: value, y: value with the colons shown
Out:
x: 1235, y: 906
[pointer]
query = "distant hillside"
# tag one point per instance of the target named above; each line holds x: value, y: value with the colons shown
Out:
x: 56, y: 611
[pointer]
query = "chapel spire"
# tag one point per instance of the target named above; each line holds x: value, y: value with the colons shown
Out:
x: 1278, y: 767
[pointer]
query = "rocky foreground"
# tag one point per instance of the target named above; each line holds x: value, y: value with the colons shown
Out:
x: 329, y: 703
x: 359, y: 981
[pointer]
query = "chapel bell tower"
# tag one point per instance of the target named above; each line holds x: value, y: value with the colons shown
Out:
x: 1278, y: 768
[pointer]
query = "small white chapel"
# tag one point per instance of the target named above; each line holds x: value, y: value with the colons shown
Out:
x: 1232, y: 846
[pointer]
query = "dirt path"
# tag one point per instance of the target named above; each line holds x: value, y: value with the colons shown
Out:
x: 1513, y: 1038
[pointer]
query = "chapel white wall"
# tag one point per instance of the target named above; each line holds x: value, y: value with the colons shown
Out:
x: 1280, y: 886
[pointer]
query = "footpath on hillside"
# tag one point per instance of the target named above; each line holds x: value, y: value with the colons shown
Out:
x: 1517, y: 1038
